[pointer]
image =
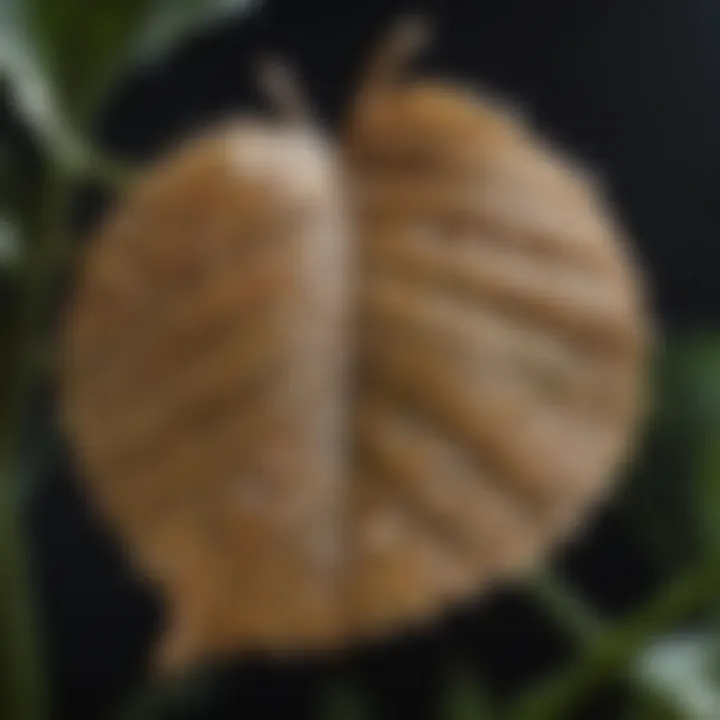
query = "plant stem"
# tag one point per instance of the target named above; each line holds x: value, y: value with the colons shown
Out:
x: 568, y: 610
x: 617, y: 647
x: 24, y: 693
x: 45, y: 259
x: 21, y: 651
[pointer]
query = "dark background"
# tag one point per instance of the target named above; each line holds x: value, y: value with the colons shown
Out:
x: 632, y: 87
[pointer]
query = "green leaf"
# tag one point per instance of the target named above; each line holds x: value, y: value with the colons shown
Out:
x: 678, y: 482
x: 82, y: 44
x: 680, y: 667
x: 35, y: 101
x: 62, y: 57
x: 692, y: 412
x: 85, y: 46
x: 173, y: 19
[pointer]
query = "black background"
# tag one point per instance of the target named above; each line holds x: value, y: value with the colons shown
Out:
x: 631, y: 86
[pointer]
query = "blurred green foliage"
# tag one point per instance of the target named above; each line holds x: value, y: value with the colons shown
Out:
x: 59, y: 60
x: 343, y: 701
x: 689, y: 422
x: 464, y: 696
